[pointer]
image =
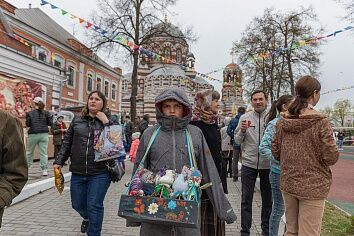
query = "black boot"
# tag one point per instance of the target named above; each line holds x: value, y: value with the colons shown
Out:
x: 84, y: 226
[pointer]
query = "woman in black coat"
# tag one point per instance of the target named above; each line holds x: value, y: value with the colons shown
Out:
x: 205, y: 110
x: 90, y: 180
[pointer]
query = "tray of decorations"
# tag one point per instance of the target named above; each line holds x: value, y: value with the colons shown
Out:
x: 165, y: 197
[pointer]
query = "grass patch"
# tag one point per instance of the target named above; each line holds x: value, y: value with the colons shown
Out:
x: 336, y: 223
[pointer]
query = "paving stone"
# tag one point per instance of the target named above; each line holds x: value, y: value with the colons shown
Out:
x: 49, y: 213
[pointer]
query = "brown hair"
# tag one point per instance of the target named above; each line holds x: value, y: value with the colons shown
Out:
x: 85, y: 111
x: 304, y: 88
x: 259, y: 91
x: 277, y: 106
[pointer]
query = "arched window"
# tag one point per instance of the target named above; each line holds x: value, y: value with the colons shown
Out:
x: 89, y: 82
x: 106, y: 88
x: 58, y: 61
x: 114, y: 91
x: 179, y: 55
x: 99, y: 83
x: 71, y: 75
x: 43, y: 54
x: 167, y: 52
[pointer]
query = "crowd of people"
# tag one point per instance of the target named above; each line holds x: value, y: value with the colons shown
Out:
x: 290, y: 147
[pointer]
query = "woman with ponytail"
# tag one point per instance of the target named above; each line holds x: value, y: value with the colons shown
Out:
x: 305, y: 147
x: 278, y: 106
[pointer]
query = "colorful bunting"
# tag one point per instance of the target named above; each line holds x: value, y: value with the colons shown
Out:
x: 53, y: 7
x: 296, y: 45
x: 43, y: 2
x: 126, y: 41
x: 63, y: 12
x: 17, y: 38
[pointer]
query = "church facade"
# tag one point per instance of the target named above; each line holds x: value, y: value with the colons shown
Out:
x: 154, y: 76
x: 232, y: 91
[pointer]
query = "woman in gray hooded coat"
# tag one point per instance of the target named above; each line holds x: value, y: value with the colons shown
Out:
x: 170, y: 150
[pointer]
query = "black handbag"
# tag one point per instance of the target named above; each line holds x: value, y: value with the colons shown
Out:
x: 115, y: 170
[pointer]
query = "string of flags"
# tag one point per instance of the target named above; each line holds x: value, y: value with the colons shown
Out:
x: 18, y: 38
x: 297, y: 45
x: 338, y: 90
x: 121, y: 39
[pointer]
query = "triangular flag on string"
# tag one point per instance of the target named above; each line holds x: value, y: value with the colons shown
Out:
x: 103, y: 32
x: 63, y: 12
x: 72, y: 16
x: 88, y: 25
x: 53, y: 7
x: 337, y: 32
x: 96, y: 28
x: 136, y: 46
x: 81, y: 20
x: 43, y: 2
x: 349, y: 27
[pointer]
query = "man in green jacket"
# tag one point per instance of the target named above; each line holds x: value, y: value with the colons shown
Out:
x: 13, y: 165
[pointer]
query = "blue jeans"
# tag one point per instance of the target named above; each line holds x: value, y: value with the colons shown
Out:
x: 278, y: 204
x: 340, y: 144
x: 87, y: 195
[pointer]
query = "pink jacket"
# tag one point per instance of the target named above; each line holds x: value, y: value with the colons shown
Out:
x: 133, y: 149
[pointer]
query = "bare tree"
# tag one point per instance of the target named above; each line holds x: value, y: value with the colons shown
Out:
x: 349, y: 7
x: 134, y: 20
x: 272, y: 53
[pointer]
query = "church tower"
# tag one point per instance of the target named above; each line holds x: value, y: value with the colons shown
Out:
x: 232, y: 89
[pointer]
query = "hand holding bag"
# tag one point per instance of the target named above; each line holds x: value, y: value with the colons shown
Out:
x: 115, y: 170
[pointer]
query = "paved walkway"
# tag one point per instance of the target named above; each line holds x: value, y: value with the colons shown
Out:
x: 49, y: 213
x: 35, y: 172
x: 342, y: 188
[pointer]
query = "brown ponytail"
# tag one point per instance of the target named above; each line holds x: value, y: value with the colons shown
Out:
x: 304, y: 88
x: 277, y: 106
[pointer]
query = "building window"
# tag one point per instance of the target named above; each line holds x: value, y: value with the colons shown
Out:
x: 58, y: 61
x: 42, y: 54
x: 89, y: 82
x: 71, y: 75
x: 113, y: 93
x: 99, y: 84
x: 106, y: 88
x: 179, y: 56
x: 167, y: 52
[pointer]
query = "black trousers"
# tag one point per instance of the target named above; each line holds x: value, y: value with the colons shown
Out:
x: 248, y: 180
x: 235, y: 158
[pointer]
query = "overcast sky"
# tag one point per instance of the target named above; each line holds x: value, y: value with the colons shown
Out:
x: 218, y: 23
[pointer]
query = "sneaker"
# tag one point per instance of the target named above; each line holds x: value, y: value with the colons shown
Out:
x: 84, y: 226
x: 45, y: 173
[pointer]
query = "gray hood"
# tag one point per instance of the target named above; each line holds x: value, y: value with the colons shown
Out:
x: 168, y: 122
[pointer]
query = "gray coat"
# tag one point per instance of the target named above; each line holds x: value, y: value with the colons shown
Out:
x: 169, y: 150
x: 251, y: 140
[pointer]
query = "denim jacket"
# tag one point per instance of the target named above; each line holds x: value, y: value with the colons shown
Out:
x: 265, y: 146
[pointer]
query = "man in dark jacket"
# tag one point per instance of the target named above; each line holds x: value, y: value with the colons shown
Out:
x: 237, y: 148
x: 144, y: 124
x: 13, y: 165
x: 128, y: 130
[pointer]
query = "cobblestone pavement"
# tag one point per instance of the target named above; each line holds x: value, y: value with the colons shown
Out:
x: 49, y: 213
x: 35, y: 172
